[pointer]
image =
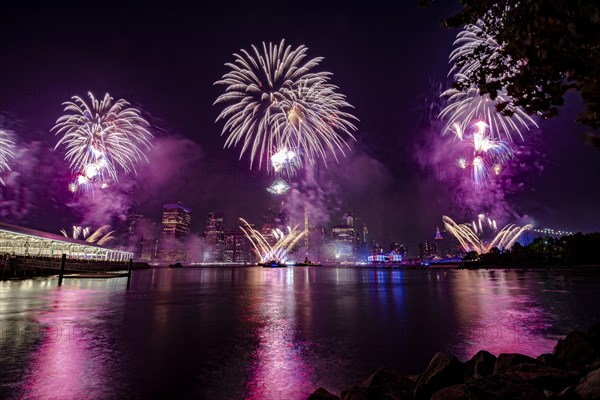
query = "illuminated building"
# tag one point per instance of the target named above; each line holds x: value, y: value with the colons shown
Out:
x: 237, y: 248
x: 441, y: 244
x: 144, y: 234
x: 427, y: 250
x: 176, y: 220
x: 20, y: 241
x: 397, y: 248
x: 348, y: 219
x: 385, y: 258
x: 344, y: 240
x: 214, y: 233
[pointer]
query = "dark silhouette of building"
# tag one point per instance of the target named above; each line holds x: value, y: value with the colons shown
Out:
x: 398, y: 248
x: 144, y: 236
x: 427, y: 250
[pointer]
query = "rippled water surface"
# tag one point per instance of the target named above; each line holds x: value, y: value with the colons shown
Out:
x: 256, y: 333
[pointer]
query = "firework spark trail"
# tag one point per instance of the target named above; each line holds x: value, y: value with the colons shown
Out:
x: 267, y: 252
x: 6, y: 152
x: 275, y: 100
x: 101, y: 136
x: 470, y: 240
x: 279, y: 187
x: 478, y: 225
x: 100, y: 237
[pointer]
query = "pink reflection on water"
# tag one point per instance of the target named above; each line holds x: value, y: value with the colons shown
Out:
x: 278, y: 370
x: 63, y: 367
x: 501, y: 316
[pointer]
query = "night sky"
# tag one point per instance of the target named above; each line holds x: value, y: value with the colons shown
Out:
x: 165, y: 59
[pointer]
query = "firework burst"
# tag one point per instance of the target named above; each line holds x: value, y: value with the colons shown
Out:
x: 100, y: 237
x: 279, y: 187
x: 476, y: 49
x: 101, y: 137
x: 6, y: 152
x: 278, y: 252
x: 485, y: 156
x: 276, y: 100
x: 470, y: 239
x: 286, y: 162
x: 464, y: 106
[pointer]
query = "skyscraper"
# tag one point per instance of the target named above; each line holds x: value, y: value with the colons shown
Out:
x: 176, y: 221
x: 344, y: 240
x: 143, y: 235
x: 237, y: 247
x: 348, y: 219
x: 214, y: 234
x: 427, y: 250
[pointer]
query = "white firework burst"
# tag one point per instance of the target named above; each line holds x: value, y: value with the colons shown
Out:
x: 275, y: 99
x: 477, y: 49
x: 103, y: 135
x: 279, y: 187
x: 475, y: 44
x: 6, y: 152
x: 100, y: 237
x: 267, y: 252
x: 470, y: 238
x: 465, y: 106
x: 286, y: 162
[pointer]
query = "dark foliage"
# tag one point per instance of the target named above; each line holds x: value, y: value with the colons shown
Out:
x: 556, y: 44
x: 578, y: 249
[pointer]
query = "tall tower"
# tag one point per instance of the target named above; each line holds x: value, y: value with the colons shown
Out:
x: 439, y: 243
x: 215, y: 237
x: 438, y: 235
x: 176, y: 221
x: 306, y: 230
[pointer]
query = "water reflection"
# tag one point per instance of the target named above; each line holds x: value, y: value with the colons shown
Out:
x: 501, y: 314
x: 278, y: 370
x: 72, y: 357
x: 256, y: 333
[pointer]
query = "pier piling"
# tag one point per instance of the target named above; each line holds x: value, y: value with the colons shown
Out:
x: 63, y: 261
x: 129, y: 273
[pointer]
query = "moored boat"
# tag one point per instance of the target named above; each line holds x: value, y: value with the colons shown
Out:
x: 273, y: 264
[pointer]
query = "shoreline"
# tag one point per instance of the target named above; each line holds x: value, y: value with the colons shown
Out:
x: 570, y: 372
x: 23, y: 268
x: 17, y: 274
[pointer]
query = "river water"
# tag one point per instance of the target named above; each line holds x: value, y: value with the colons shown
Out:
x: 257, y: 333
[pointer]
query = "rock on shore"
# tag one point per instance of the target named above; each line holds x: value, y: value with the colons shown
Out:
x: 571, y: 372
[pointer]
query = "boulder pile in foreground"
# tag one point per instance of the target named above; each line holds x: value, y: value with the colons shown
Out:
x: 571, y: 372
